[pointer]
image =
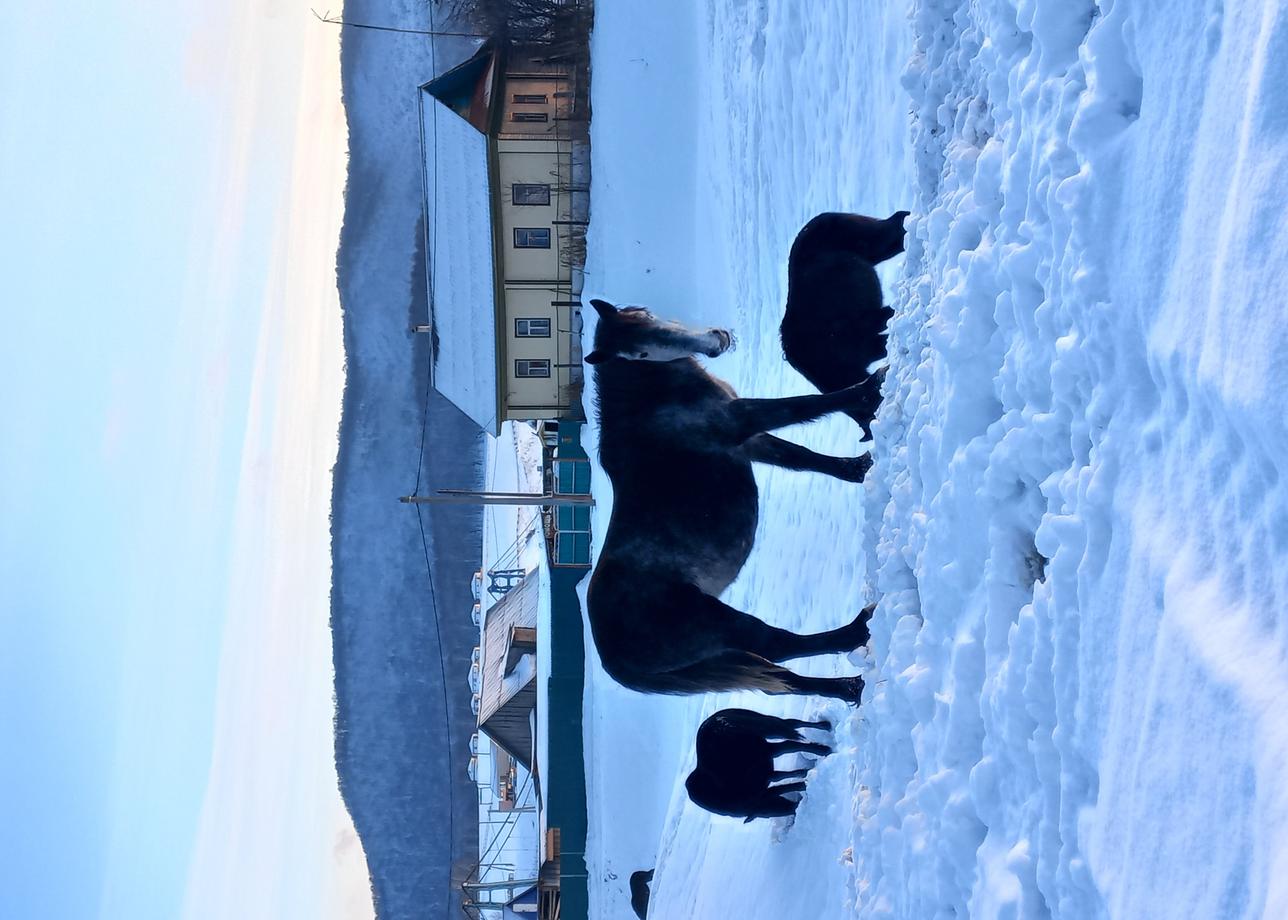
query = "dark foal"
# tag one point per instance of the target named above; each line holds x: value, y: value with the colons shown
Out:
x: 735, y: 770
x: 640, y: 892
x: 678, y: 445
x: 834, y: 329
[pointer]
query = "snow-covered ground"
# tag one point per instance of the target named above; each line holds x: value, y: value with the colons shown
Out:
x: 1085, y: 363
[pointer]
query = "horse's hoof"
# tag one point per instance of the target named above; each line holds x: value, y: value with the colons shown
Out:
x: 853, y: 469
x: 862, y: 633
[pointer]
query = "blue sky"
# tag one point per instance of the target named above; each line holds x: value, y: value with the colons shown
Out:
x: 169, y: 371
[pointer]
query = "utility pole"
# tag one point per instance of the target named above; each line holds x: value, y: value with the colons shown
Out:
x: 465, y: 497
x: 498, y: 886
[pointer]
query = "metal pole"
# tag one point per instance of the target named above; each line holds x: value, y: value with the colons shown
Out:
x: 461, y: 497
x: 497, y: 886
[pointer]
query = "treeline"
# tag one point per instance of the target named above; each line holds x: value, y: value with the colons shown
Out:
x: 558, y: 29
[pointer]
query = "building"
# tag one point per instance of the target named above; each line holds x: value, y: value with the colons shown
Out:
x: 507, y: 194
x: 509, y: 685
x: 532, y: 664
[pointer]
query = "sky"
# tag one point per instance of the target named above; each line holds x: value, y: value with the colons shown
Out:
x: 170, y: 377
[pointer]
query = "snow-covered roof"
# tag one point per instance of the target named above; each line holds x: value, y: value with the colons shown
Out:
x: 460, y: 261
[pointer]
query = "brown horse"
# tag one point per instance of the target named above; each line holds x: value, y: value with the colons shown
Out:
x: 678, y: 445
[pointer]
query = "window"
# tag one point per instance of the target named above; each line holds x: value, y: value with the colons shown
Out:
x: 531, y: 237
x: 530, y: 98
x: 532, y: 328
x: 529, y: 367
x: 532, y: 117
x: 529, y: 193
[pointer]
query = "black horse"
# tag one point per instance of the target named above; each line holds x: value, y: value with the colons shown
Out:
x: 640, y: 892
x: 678, y: 445
x: 834, y: 328
x: 736, y: 763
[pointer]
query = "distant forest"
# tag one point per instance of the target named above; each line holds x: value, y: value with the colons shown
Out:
x: 559, y: 27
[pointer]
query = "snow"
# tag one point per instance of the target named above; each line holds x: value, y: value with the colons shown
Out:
x: 1084, y: 363
x: 460, y: 263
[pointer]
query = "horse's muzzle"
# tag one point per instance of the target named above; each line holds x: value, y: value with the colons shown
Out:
x: 727, y: 342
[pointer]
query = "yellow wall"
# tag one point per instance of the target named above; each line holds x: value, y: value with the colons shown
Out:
x: 555, y: 107
x: 536, y: 162
x: 536, y: 397
x: 534, y: 279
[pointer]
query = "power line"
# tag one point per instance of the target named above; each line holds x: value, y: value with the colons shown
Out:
x: 447, y: 709
x: 420, y: 521
x: 431, y: 32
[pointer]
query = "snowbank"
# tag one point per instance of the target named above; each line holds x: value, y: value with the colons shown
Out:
x: 1076, y: 526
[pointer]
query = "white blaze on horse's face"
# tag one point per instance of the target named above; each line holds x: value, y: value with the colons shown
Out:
x: 635, y: 334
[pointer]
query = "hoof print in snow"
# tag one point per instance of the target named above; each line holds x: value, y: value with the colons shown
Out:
x: 1035, y: 567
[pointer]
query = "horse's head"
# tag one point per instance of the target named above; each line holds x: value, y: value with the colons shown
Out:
x: 635, y: 334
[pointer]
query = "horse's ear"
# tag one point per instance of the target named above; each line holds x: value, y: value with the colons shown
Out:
x: 603, y: 307
x: 595, y: 357
x: 749, y: 819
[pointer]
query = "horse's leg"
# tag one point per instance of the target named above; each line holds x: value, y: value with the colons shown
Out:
x: 730, y: 628
x: 822, y: 724
x: 779, y: 728
x: 790, y: 728
x: 733, y: 629
x: 765, y: 448
x: 799, y: 747
x: 770, y: 726
x: 771, y: 805
x: 842, y: 639
x: 752, y: 723
x: 788, y: 787
x: 849, y: 689
x: 776, y: 775
x: 744, y: 670
x: 747, y: 417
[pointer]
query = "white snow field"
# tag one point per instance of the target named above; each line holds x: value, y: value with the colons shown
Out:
x: 1086, y: 362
